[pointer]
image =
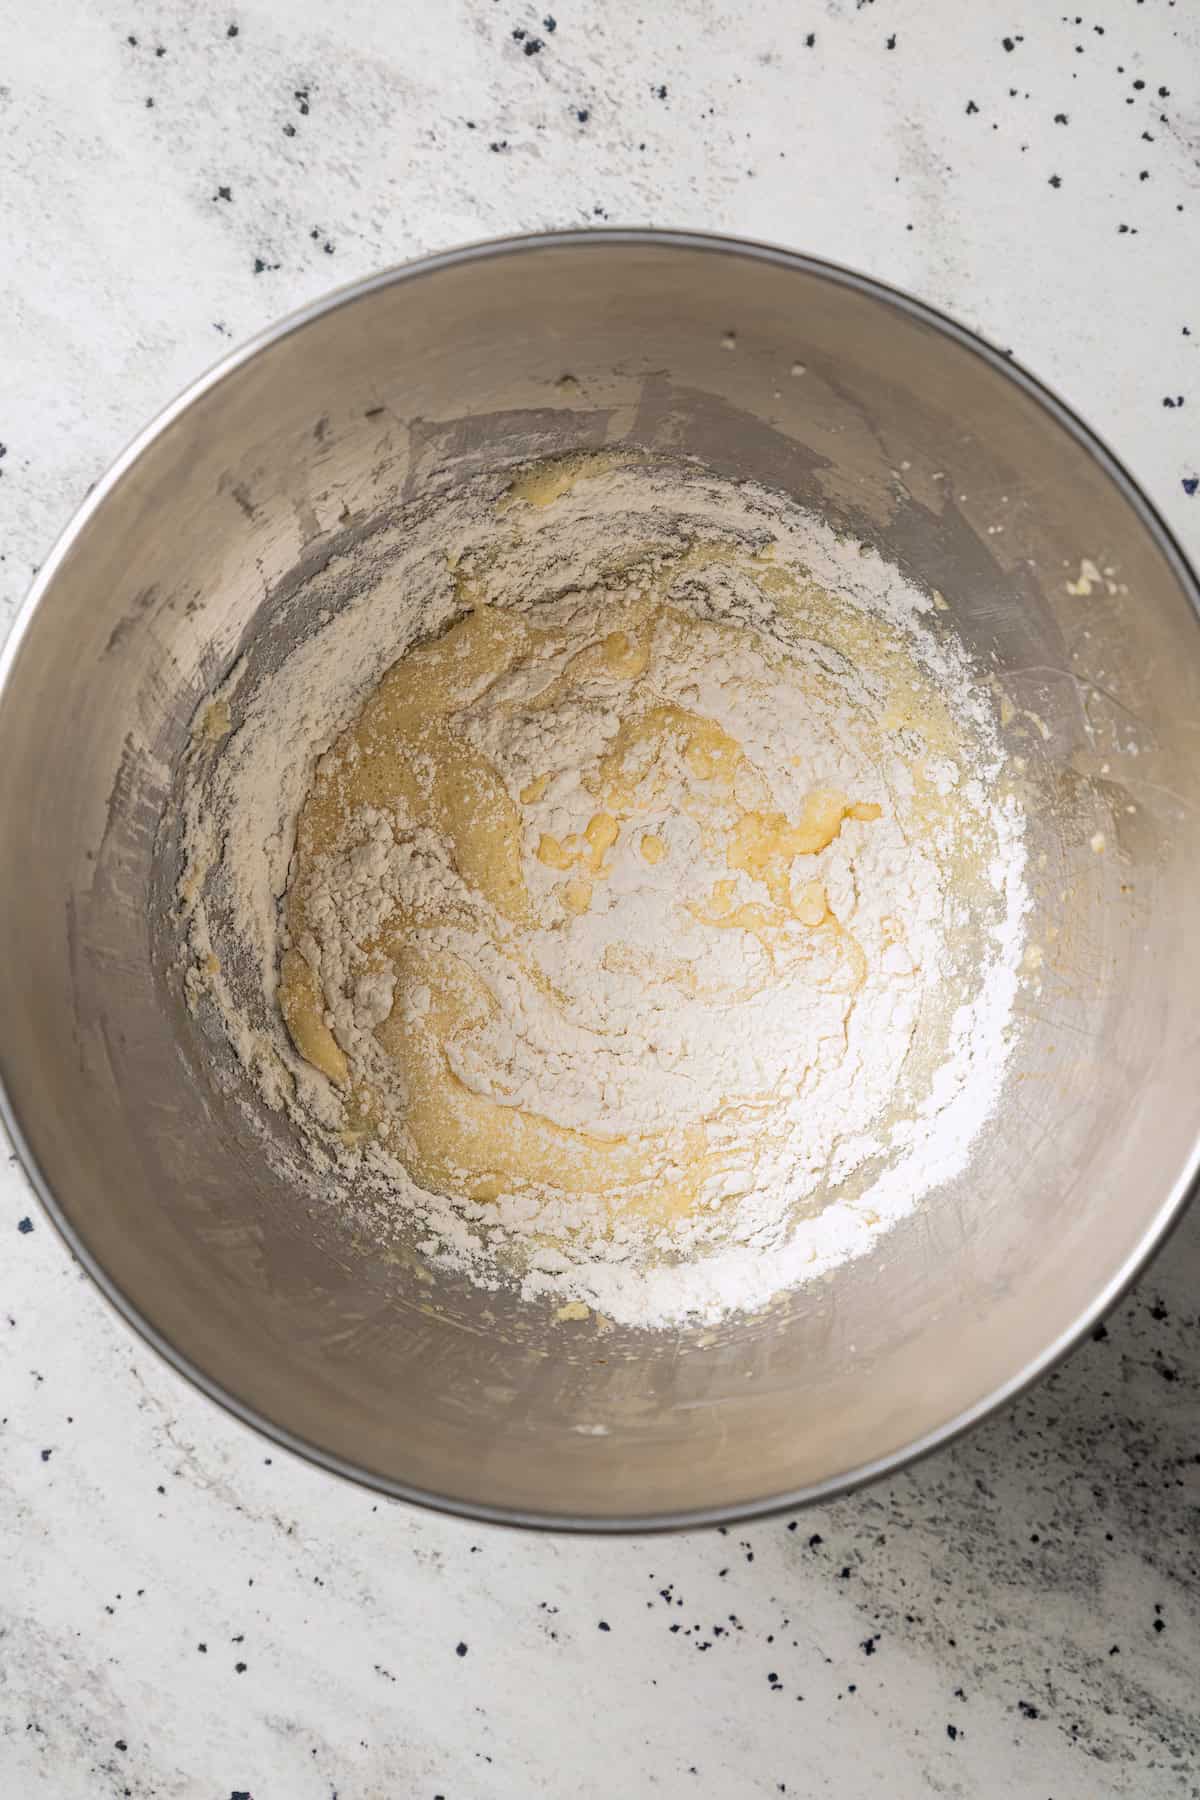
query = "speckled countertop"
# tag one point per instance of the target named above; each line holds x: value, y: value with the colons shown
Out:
x: 185, y: 1611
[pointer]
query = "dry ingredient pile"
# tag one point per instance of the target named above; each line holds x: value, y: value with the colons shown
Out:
x: 645, y: 934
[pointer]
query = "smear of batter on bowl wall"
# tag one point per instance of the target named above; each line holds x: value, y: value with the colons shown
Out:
x: 633, y: 895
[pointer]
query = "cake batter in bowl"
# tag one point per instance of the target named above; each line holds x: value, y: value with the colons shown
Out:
x: 649, y: 935
x: 951, y: 746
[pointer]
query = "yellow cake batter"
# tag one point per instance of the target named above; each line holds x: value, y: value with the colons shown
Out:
x: 644, y: 855
x: 410, y: 755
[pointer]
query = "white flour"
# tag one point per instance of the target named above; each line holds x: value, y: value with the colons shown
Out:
x: 699, y: 1057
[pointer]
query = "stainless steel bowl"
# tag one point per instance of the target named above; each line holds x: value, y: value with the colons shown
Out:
x: 903, y: 429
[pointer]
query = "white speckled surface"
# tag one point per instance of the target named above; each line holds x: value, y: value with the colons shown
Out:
x: 186, y: 1612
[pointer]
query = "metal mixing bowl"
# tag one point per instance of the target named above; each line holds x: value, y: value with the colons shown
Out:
x: 902, y: 429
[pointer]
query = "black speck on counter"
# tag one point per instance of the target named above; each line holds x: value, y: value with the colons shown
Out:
x: 815, y: 1541
x: 232, y: 31
x: 1056, y: 181
x: 868, y: 1645
x: 120, y: 1744
x: 241, y: 1794
x: 550, y: 23
x: 971, y: 108
x: 1100, y: 1335
x: 603, y: 1625
x: 582, y: 114
x: 223, y: 193
x: 203, y: 1649
x: 149, y: 101
x: 46, y: 1455
x: 289, y: 131
x: 501, y: 145
x: 952, y: 1733
x: 1191, y: 484
x: 240, y: 1668
x: 131, y: 40
x: 160, y: 50
x: 460, y: 1649
x: 891, y: 42
x: 1028, y: 1709
x: 660, y: 92
x: 533, y: 45
x: 1061, y: 119
x: 810, y: 40
x: 301, y: 97
x: 24, y: 1226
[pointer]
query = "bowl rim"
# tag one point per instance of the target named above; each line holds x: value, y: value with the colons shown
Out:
x: 595, y: 240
